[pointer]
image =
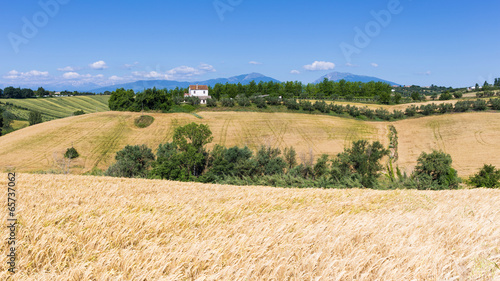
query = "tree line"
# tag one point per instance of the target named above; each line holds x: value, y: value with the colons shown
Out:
x: 186, y: 158
x: 26, y: 93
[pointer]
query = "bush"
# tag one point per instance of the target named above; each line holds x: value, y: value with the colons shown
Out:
x: 479, y: 105
x: 291, y: 104
x: 35, y: 117
x: 457, y: 95
x: 462, y: 106
x: 398, y: 114
x: 273, y: 100
x: 132, y: 162
x: 434, y: 169
x: 144, y: 121
x: 488, y: 176
x: 382, y: 114
x: 411, y: 111
x: 71, y: 153
x: 211, y: 103
x: 306, y: 106
x: 78, y: 112
x: 243, y: 101
x: 495, y: 104
x: 446, y: 96
x: 260, y: 102
x: 193, y: 101
x: 227, y: 102
x: 359, y: 164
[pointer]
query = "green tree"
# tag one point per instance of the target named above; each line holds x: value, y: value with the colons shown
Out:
x: 132, y: 162
x: 121, y: 99
x: 488, y: 176
x: 384, y: 97
x: 35, y: 117
x: 434, y: 171
x: 193, y: 135
x: 71, y: 153
x: 361, y: 162
x: 397, y: 98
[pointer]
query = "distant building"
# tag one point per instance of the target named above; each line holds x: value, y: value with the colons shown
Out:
x: 199, y: 91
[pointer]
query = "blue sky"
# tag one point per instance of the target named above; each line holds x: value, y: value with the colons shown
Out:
x: 450, y: 43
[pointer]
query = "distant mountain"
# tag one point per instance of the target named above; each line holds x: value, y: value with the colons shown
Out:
x: 170, y: 84
x: 337, y: 76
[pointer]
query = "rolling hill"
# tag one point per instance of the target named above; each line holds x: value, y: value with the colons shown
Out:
x: 470, y: 138
x: 337, y: 76
x: 59, y: 107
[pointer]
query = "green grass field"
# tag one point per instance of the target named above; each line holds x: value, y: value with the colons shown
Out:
x: 60, y: 107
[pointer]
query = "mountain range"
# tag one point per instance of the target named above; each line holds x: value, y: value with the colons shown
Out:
x: 170, y: 84
x: 337, y: 76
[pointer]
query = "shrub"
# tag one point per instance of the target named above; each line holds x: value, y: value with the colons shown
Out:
x: 260, y: 102
x: 479, y: 105
x: 306, y: 106
x: 132, y: 162
x: 411, y: 111
x: 243, y: 101
x: 462, y: 106
x: 434, y: 169
x: 359, y: 164
x: 227, y: 102
x: 415, y: 96
x: 211, y: 103
x: 144, y: 121
x: 193, y: 101
x: 382, y: 114
x: 445, y: 96
x: 495, y: 104
x: 35, y: 117
x: 78, y: 112
x: 291, y: 104
x: 445, y: 107
x: 457, y: 95
x: 273, y: 100
x: 488, y: 176
x: 398, y: 114
x: 71, y: 153
x: 428, y: 109
x: 320, y: 106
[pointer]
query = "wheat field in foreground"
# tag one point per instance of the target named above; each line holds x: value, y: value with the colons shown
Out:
x: 99, y: 228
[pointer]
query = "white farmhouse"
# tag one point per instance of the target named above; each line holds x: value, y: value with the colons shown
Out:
x: 199, y: 91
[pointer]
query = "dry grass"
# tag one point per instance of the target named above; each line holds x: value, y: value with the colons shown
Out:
x: 97, y: 228
x: 470, y: 138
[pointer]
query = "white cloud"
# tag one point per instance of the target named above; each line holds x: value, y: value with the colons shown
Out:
x: 351, y: 65
x: 71, y: 75
x: 177, y: 73
x: 374, y: 64
x: 254, y: 62
x: 130, y: 66
x: 14, y: 74
x: 116, y: 78
x: 295, y: 71
x: 67, y: 69
x: 320, y: 65
x: 98, y: 65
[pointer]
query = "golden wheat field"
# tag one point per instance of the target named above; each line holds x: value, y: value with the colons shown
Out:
x: 97, y: 228
x: 470, y: 138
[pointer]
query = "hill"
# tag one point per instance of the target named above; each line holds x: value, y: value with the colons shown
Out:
x: 470, y: 138
x: 99, y: 228
x: 59, y: 107
x: 171, y: 84
x: 337, y: 76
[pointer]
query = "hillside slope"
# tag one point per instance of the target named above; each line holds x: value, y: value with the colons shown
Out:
x: 60, y: 107
x: 470, y: 138
x: 100, y: 228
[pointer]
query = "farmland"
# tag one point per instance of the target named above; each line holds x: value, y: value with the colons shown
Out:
x: 470, y: 138
x: 59, y: 107
x: 99, y: 228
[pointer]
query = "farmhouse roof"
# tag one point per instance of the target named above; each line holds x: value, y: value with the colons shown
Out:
x: 198, y: 87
